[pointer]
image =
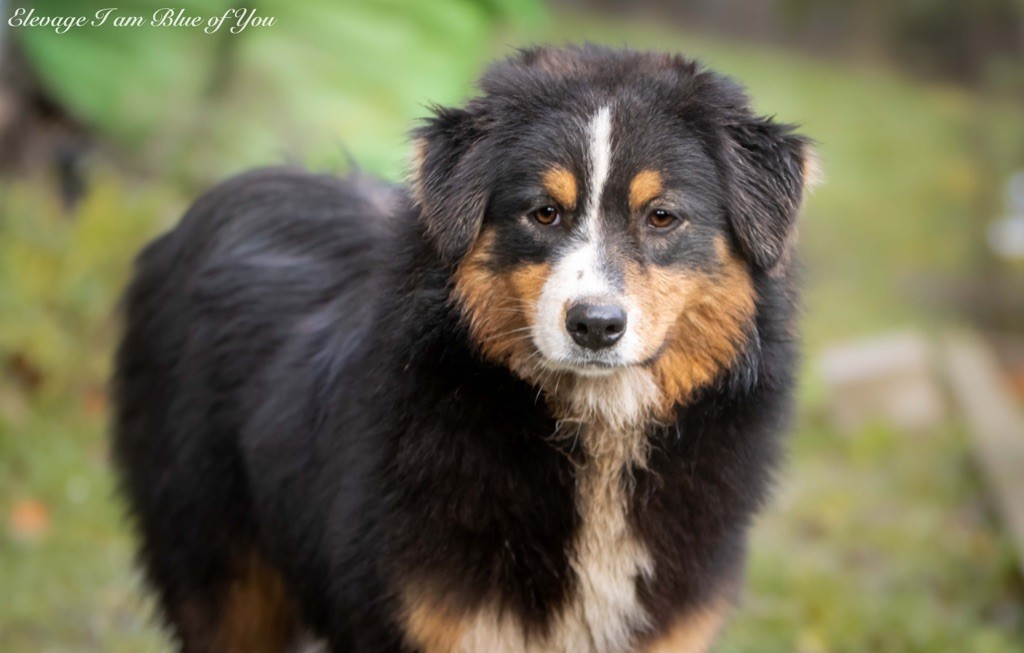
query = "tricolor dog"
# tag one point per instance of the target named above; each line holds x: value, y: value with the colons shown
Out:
x: 527, y: 403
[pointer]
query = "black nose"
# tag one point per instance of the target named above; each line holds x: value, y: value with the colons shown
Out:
x: 595, y: 326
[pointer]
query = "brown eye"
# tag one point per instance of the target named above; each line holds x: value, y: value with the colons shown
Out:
x: 660, y: 219
x: 546, y: 215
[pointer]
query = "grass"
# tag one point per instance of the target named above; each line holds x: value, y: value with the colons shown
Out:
x: 67, y: 578
x: 881, y: 541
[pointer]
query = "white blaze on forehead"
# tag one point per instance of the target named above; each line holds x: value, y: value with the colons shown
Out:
x: 578, y: 274
x: 600, y: 164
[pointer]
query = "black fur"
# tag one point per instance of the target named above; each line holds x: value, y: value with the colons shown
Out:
x: 295, y: 380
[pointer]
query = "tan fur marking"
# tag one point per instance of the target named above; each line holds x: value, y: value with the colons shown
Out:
x: 812, y: 172
x: 608, y: 559
x: 560, y: 184
x: 500, y: 309
x: 698, y: 320
x: 694, y: 633
x: 430, y: 628
x: 256, y: 615
x: 418, y: 158
x: 646, y: 186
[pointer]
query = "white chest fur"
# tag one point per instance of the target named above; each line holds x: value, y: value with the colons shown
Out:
x: 604, y: 613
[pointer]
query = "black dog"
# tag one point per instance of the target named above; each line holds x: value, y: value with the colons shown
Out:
x: 529, y: 404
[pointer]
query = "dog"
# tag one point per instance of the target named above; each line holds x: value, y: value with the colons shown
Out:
x: 529, y: 401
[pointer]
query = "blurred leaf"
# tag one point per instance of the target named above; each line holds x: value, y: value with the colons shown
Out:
x: 123, y: 81
x: 328, y: 78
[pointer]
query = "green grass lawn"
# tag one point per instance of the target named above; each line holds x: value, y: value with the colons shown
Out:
x: 877, y: 542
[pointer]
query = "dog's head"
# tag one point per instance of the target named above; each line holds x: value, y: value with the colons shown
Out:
x: 607, y: 210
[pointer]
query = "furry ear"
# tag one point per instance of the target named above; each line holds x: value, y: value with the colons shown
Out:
x: 452, y: 176
x: 769, y: 169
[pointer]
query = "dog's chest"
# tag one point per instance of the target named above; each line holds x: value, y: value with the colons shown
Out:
x: 603, y: 614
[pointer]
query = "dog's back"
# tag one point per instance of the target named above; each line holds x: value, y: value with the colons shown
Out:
x: 255, y: 259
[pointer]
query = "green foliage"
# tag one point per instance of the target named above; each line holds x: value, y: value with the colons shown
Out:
x: 329, y: 77
x: 882, y: 542
x: 124, y: 81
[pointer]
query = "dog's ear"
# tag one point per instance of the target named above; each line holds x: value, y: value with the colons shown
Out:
x: 452, y: 174
x: 769, y: 170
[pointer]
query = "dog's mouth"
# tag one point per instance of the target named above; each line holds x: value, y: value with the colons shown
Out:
x: 587, y: 367
x: 591, y: 364
x: 581, y: 362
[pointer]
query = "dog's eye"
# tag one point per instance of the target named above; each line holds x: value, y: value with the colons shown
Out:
x: 660, y: 219
x: 546, y: 215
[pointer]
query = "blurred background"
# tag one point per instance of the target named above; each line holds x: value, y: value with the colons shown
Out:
x: 897, y: 524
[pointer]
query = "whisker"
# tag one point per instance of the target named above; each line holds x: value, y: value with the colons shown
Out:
x: 502, y: 336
